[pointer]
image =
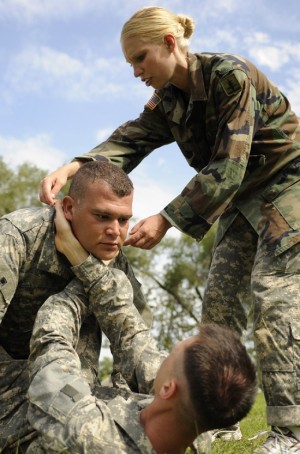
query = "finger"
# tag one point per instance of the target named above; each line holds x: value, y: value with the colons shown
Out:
x: 46, y: 194
x: 48, y: 190
x: 142, y: 243
x: 135, y: 228
x: 134, y: 239
x: 131, y: 242
x: 45, y: 198
x: 149, y: 244
x: 58, y: 206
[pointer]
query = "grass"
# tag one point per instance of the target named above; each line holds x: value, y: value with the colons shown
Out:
x: 254, y: 423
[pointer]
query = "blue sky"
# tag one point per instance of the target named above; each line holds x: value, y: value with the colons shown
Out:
x: 65, y: 85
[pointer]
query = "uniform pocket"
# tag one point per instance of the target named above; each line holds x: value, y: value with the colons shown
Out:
x: 284, y: 194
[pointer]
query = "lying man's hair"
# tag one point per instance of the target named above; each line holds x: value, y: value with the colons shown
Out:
x: 221, y: 377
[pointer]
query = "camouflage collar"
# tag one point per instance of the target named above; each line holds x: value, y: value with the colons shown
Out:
x: 198, y: 92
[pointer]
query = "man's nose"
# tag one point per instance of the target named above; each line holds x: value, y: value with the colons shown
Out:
x: 114, y: 227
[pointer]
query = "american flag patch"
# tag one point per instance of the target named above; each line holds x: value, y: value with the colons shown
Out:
x: 153, y: 101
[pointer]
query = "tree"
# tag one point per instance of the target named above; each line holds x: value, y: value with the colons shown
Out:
x: 19, y: 189
x: 173, y: 276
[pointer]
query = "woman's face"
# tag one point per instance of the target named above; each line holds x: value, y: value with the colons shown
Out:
x: 153, y: 63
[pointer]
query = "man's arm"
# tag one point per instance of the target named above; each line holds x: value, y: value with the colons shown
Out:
x: 110, y: 298
x: 11, y: 257
x: 133, y: 348
x: 61, y: 407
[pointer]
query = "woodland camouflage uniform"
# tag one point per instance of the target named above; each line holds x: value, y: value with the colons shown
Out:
x: 62, y: 407
x: 31, y: 270
x: 238, y: 132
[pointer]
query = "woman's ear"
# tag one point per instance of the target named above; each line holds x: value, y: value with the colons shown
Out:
x: 67, y: 206
x: 170, y: 41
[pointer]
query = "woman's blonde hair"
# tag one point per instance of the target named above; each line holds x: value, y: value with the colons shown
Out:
x: 152, y: 23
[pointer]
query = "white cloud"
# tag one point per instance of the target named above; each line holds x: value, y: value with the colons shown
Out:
x: 36, y: 10
x: 150, y: 197
x: 30, y: 10
x: 269, y: 56
x: 161, y: 162
x: 34, y: 150
x: 104, y: 133
x: 40, y: 69
x: 272, y: 54
x: 220, y: 41
x: 293, y: 92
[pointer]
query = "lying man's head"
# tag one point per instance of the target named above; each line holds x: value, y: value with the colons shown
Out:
x: 221, y: 377
x: 211, y: 378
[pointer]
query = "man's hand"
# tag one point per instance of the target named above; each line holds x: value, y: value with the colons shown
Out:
x: 65, y: 241
x: 148, y: 232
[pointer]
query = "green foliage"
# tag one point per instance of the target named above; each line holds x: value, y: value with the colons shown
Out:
x: 105, y: 368
x: 19, y: 189
x: 173, y: 276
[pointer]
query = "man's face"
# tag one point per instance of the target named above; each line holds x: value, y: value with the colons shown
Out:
x: 99, y: 220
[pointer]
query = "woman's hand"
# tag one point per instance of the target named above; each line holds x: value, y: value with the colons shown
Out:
x: 65, y: 241
x: 52, y: 183
x: 148, y: 232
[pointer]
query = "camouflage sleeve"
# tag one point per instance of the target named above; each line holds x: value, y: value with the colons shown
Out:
x: 122, y: 263
x: 133, y: 348
x: 12, y: 256
x: 61, y: 407
x: 206, y: 196
x: 129, y: 144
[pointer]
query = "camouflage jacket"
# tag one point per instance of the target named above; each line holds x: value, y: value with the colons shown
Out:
x: 237, y: 130
x: 61, y: 406
x: 31, y: 270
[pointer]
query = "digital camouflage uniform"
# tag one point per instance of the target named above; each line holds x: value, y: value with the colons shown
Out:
x: 31, y: 270
x: 238, y: 132
x: 62, y: 408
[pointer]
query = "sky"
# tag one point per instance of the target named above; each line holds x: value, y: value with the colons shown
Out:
x: 65, y: 85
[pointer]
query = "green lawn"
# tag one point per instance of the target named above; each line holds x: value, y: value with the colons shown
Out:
x: 254, y: 423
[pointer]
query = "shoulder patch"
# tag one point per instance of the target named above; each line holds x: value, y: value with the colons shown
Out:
x: 153, y: 101
x: 230, y: 84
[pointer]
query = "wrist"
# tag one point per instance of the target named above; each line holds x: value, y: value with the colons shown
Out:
x: 165, y: 223
x: 72, y: 168
x: 73, y: 250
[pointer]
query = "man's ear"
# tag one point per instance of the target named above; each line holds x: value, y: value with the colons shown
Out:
x: 170, y: 41
x: 168, y: 389
x: 68, y: 206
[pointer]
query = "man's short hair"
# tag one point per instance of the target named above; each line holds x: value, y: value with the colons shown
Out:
x: 221, y: 377
x: 100, y: 171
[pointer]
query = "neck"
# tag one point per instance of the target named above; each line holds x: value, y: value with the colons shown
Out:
x: 166, y: 433
x: 181, y: 75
